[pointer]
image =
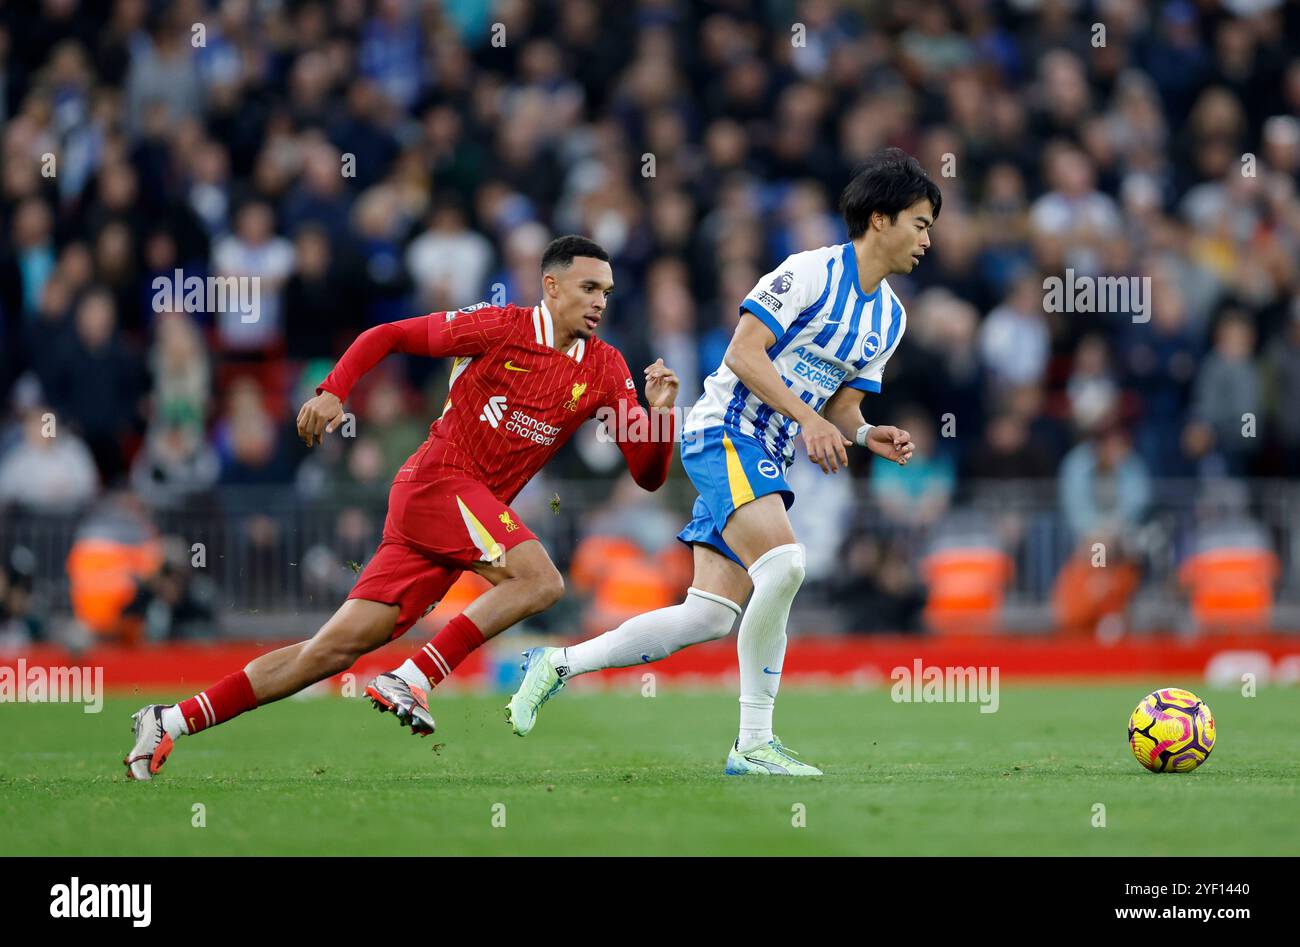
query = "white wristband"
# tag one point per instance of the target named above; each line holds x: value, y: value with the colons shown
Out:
x: 861, y: 437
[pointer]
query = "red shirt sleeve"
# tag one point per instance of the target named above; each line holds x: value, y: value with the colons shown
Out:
x: 469, y: 331
x: 370, y: 348
x: 649, y: 456
x: 458, y: 332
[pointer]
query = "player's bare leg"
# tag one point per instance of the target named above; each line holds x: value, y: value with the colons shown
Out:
x: 357, y: 627
x: 525, y: 584
x: 715, y: 598
x: 528, y: 583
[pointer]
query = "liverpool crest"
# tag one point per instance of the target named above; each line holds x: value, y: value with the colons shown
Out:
x: 578, y: 391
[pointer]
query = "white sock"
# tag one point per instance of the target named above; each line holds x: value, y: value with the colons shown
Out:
x: 412, y: 675
x: 653, y: 636
x: 173, y: 721
x: 760, y: 645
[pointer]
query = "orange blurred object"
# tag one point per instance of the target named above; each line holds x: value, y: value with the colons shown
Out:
x: 104, y: 575
x: 966, y: 589
x: 595, y: 557
x: 1231, y: 588
x: 628, y: 587
x: 1084, y: 594
x: 464, y: 590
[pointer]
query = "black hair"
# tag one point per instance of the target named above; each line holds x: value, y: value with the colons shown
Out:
x: 886, y: 183
x: 561, y: 251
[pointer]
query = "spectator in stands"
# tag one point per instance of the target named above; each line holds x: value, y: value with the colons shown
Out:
x: 941, y: 369
x: 209, y: 189
x: 165, y: 72
x: 391, y: 423
x: 177, y: 602
x: 96, y: 382
x: 391, y: 51
x: 1074, y: 212
x: 1091, y: 389
x: 1105, y: 495
x: 1159, y: 360
x: 321, y: 196
x: 22, y: 610
x: 321, y: 302
x: 176, y: 463
x: 922, y: 493
x: 1103, y: 484
x: 33, y: 243
x: 1014, y: 341
x: 1282, y: 387
x: 252, y: 445
x: 449, y: 262
x: 50, y: 470
x: 1008, y: 455
x: 876, y: 587
x: 381, y: 225
x: 254, y: 250
x: 364, y: 133
x: 668, y: 330
x: 737, y: 279
x: 182, y: 375
x: 1226, y: 408
x: 175, y: 466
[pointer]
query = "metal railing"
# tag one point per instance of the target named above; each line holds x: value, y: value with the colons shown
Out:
x: 275, y: 552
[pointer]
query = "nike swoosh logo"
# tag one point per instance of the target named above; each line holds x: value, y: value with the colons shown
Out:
x: 767, y: 671
x: 512, y: 367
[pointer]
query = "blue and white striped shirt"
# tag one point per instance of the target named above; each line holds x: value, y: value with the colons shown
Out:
x: 828, y: 333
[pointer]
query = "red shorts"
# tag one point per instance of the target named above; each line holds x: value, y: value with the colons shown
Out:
x: 434, y: 531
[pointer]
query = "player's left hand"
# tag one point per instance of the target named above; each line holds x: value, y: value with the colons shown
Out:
x: 318, y: 417
x: 891, y: 443
x: 661, y: 385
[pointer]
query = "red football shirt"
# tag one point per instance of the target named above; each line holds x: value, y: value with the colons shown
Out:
x: 514, y: 398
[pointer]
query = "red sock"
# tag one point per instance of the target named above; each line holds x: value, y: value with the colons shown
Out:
x: 449, y: 647
x: 224, y: 700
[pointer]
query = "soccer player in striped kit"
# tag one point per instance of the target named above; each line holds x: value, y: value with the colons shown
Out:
x: 813, y: 338
x: 523, y: 381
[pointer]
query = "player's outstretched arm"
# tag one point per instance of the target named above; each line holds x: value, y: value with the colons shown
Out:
x: 372, y: 347
x: 649, y: 459
x: 844, y: 410
x: 747, y: 357
x: 321, y: 415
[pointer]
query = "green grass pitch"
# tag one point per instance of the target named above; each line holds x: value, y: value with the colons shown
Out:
x: 612, y: 772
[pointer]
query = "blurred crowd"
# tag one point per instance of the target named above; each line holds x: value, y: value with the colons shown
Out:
x: 375, y: 160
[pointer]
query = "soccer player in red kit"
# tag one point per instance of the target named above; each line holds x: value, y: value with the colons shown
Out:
x: 524, y: 379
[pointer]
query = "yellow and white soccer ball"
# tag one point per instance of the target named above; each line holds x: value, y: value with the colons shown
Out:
x: 1171, y: 731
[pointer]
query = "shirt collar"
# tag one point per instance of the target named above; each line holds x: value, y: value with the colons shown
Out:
x: 544, y: 333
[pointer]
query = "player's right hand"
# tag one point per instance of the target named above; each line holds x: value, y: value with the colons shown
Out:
x: 825, y: 444
x: 318, y: 417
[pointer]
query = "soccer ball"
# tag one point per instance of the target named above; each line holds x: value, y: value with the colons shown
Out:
x: 1171, y: 731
